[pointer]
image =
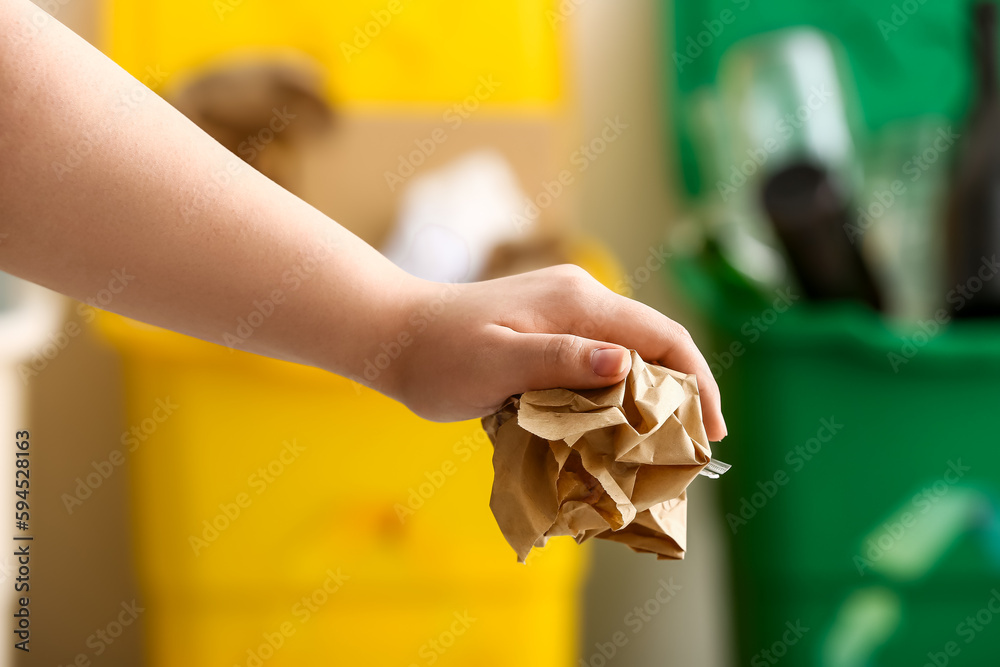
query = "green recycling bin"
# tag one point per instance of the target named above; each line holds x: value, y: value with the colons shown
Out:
x: 862, y: 507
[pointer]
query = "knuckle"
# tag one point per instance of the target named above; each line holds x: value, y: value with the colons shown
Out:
x: 680, y: 332
x: 574, y: 277
x: 560, y: 350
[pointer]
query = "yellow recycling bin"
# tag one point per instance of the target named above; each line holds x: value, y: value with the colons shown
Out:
x: 285, y: 516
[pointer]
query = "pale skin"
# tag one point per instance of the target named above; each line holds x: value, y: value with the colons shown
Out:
x: 206, y: 236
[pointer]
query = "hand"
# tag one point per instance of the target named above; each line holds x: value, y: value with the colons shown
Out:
x: 476, y: 344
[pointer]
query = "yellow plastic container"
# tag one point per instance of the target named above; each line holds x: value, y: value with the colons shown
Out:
x: 258, y: 484
x: 259, y: 487
x: 377, y: 52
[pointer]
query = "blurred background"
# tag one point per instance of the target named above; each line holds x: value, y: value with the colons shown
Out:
x: 809, y: 187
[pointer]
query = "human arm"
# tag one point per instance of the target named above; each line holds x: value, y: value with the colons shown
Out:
x: 204, y: 241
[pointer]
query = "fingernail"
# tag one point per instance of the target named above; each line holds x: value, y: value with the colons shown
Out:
x: 609, y: 362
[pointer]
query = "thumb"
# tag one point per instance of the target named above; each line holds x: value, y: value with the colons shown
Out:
x: 547, y: 361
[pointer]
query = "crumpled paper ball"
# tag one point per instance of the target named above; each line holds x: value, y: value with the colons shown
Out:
x: 610, y: 463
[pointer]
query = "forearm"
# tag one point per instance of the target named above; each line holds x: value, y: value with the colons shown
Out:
x: 99, y: 175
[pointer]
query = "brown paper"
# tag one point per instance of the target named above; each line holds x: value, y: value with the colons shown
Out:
x: 610, y: 463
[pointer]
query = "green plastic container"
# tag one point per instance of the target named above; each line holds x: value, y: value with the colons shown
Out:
x: 862, y: 505
x: 865, y: 487
x: 908, y: 57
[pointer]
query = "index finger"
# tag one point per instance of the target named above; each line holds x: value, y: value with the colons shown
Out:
x: 658, y: 338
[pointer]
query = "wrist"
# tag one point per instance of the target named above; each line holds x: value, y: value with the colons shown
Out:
x: 395, y: 320
x: 411, y: 335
